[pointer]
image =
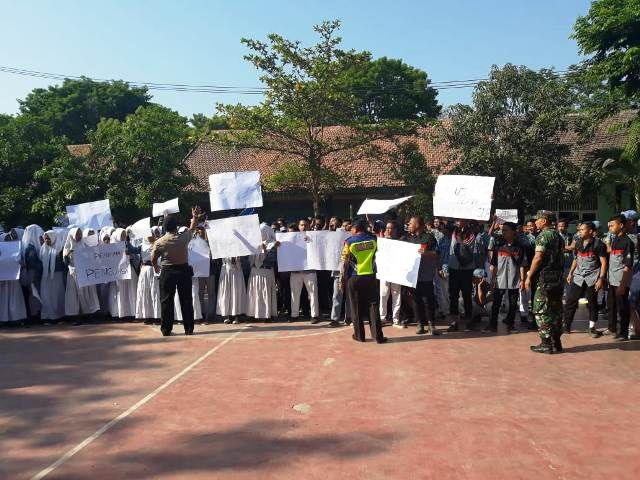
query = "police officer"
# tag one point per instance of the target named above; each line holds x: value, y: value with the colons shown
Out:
x: 358, y: 275
x: 546, y: 270
x: 172, y: 250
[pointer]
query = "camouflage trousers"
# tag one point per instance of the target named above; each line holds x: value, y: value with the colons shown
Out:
x: 547, y: 309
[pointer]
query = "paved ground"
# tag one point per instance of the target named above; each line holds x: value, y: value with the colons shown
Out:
x: 296, y: 401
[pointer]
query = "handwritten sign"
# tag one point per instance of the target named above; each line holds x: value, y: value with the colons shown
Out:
x: 9, y: 261
x: 234, y: 236
x: 90, y: 215
x: 463, y: 196
x: 103, y: 263
x: 503, y: 216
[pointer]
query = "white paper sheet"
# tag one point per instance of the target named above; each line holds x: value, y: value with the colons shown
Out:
x: 234, y: 236
x: 234, y: 190
x: 503, y: 216
x: 199, y: 257
x: 170, y: 206
x: 90, y: 215
x: 375, y: 207
x: 9, y: 261
x: 103, y: 263
x: 142, y: 228
x: 292, y: 252
x: 463, y: 196
x: 316, y: 250
x: 398, y: 262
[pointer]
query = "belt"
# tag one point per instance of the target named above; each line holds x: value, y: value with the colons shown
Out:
x: 148, y: 264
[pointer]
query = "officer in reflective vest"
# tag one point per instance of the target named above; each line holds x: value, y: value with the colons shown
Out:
x: 358, y: 275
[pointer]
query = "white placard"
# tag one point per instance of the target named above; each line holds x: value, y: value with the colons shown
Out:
x: 234, y: 236
x: 90, y: 215
x: 463, y: 196
x: 324, y: 249
x: 292, y: 252
x: 315, y: 250
x: 235, y: 190
x: 9, y: 261
x: 503, y: 216
x: 170, y: 206
x: 142, y: 228
x: 199, y: 257
x: 376, y: 207
x: 103, y: 263
x: 398, y: 262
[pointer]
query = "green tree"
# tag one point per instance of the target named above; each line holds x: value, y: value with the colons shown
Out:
x: 305, y: 95
x: 511, y: 132
x: 204, y: 125
x: 134, y: 163
x: 77, y: 106
x: 389, y: 89
x: 610, y: 36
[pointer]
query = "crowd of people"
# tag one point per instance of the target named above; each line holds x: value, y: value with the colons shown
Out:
x: 468, y: 270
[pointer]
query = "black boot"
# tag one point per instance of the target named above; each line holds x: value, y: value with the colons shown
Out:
x: 545, y: 346
x: 557, y: 344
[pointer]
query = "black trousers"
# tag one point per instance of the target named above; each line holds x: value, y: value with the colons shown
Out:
x: 498, y: 294
x: 424, y: 303
x: 363, y: 298
x: 172, y: 278
x: 460, y: 281
x: 573, y: 294
x: 617, y: 304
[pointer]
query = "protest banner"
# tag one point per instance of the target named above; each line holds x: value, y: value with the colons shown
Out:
x: 9, y: 261
x: 234, y: 236
x: 90, y: 215
x: 103, y: 263
x: 376, y: 207
x: 398, y: 262
x: 315, y: 250
x: 463, y: 196
x: 199, y: 257
x: 164, y: 208
x: 235, y: 190
x: 503, y: 216
x: 141, y: 229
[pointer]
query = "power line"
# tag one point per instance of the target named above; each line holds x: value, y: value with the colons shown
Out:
x: 216, y: 89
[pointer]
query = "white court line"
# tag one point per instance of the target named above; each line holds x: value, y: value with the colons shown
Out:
x: 128, y: 412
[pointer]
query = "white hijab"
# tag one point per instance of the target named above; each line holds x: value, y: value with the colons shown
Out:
x: 116, y: 236
x: 48, y: 253
x: 89, y: 237
x: 70, y: 244
x: 31, y: 236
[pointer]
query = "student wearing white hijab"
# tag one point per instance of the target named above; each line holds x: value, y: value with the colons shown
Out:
x: 123, y: 292
x: 262, y: 301
x: 104, y: 289
x: 148, y: 294
x: 232, y: 292
x: 52, y: 289
x: 12, y: 306
x: 78, y: 300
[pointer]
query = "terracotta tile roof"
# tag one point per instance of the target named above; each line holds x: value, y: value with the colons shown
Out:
x: 360, y: 171
x: 80, y: 150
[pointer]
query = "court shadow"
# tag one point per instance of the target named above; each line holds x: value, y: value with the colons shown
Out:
x: 259, y: 443
x: 631, y: 345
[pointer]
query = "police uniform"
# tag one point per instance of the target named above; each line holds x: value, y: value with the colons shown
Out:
x: 358, y: 256
x: 586, y: 274
x: 547, y: 300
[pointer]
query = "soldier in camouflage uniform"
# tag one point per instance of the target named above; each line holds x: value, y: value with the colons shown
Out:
x: 546, y: 270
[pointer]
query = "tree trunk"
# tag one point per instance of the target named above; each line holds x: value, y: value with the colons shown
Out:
x: 316, y: 203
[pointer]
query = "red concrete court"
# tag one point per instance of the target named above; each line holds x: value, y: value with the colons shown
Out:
x: 300, y: 401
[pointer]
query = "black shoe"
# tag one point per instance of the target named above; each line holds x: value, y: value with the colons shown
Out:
x: 544, y: 347
x: 489, y: 329
x: 347, y: 321
x: 354, y: 337
x: 557, y: 344
x: 566, y: 328
x: 620, y: 338
x: 315, y: 320
x: 334, y: 323
x: 190, y: 332
x: 382, y: 340
x: 421, y: 330
x: 453, y: 327
x: 166, y: 334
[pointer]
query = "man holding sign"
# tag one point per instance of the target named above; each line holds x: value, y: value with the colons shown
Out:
x: 173, y: 251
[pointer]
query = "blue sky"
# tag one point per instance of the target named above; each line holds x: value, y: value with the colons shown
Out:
x: 198, y: 42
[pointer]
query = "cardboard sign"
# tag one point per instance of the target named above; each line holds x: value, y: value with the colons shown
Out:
x: 398, y: 262
x: 90, y: 215
x: 170, y: 206
x: 316, y: 250
x: 103, y: 263
x: 234, y: 236
x: 463, y: 196
x: 376, y: 207
x: 235, y: 190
